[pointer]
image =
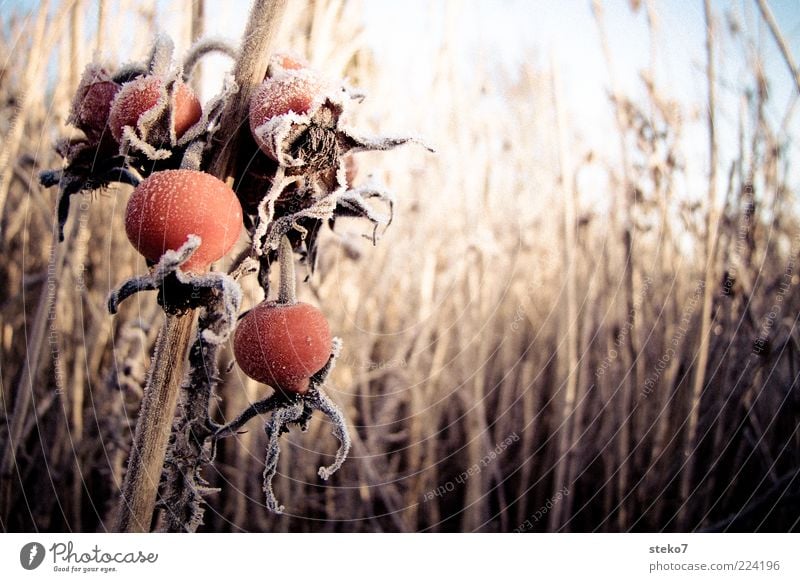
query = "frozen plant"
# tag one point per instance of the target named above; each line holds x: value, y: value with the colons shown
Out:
x: 143, y: 126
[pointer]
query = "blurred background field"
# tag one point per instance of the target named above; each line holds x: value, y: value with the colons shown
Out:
x: 573, y: 323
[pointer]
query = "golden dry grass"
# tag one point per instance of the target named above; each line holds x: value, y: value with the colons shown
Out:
x: 499, y: 307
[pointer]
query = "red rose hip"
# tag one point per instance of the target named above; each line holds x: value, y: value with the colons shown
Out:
x: 282, y: 345
x: 298, y: 91
x: 92, y: 102
x: 141, y: 95
x: 284, y: 61
x: 169, y: 206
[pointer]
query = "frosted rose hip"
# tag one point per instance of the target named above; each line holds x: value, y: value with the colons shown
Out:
x: 299, y: 91
x: 170, y: 205
x: 282, y: 345
x: 92, y: 102
x: 141, y: 95
x: 284, y: 61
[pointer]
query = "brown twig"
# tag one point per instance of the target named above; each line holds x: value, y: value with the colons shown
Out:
x: 154, y: 425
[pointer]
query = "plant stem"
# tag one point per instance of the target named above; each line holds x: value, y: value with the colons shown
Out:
x: 249, y: 72
x: 154, y: 425
x: 287, y: 292
x: 780, y: 40
x: 167, y: 368
x: 709, y: 275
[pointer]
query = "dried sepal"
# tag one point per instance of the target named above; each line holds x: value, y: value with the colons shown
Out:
x: 313, y: 144
x: 319, y: 400
x: 209, y: 118
x: 190, y: 290
x: 77, y: 178
x: 355, y: 142
x: 160, y: 60
x: 274, y: 427
x: 169, y: 263
x: 229, y: 300
x: 266, y: 209
x: 274, y: 135
x: 353, y: 203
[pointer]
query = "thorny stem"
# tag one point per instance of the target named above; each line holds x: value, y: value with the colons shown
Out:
x: 183, y: 481
x: 157, y: 411
x: 287, y: 293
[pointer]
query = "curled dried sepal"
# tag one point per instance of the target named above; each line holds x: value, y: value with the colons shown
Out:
x: 169, y: 263
x: 268, y: 404
x: 75, y: 178
x: 325, y: 405
x: 229, y: 300
x: 274, y: 427
x: 207, y: 124
x: 380, y: 143
x: 200, y: 290
x: 274, y: 134
x: 160, y: 60
x: 353, y: 203
x: 317, y: 399
x: 266, y: 211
